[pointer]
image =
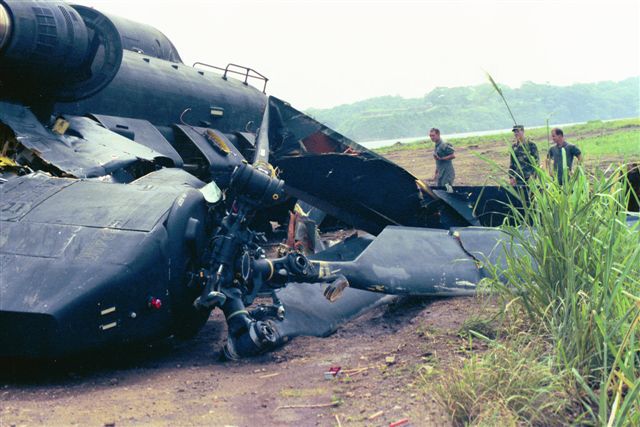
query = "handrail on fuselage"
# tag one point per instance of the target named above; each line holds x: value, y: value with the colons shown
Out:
x: 247, y: 73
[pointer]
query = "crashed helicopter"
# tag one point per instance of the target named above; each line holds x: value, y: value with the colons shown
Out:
x: 132, y: 186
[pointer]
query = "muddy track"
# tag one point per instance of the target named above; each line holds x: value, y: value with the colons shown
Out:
x: 472, y: 167
x: 385, y: 353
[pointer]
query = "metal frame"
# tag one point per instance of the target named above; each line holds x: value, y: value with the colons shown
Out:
x: 247, y: 73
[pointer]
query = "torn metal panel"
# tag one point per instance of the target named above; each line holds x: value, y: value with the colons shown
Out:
x: 142, y: 132
x: 353, y: 214
x: 308, y: 313
x: 311, y: 212
x: 368, y: 193
x: 463, y: 203
x: 205, y: 156
x: 87, y: 150
x: 347, y: 250
x: 480, y: 206
x: 319, y: 143
x: 52, y: 148
x: 304, y: 223
x: 350, y: 182
x: 364, y: 189
x: 294, y: 133
x: 111, y: 150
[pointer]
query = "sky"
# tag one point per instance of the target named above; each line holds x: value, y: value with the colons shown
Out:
x: 319, y: 54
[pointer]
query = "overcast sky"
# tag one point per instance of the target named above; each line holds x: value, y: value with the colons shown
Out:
x: 325, y: 53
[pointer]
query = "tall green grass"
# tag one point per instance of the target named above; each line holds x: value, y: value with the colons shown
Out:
x: 513, y: 383
x: 573, y: 264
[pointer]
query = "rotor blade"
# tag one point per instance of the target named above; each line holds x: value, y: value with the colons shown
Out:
x: 261, y: 158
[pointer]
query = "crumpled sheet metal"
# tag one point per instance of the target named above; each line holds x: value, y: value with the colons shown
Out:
x: 142, y: 132
x: 309, y: 313
x: 368, y: 193
x: 86, y: 150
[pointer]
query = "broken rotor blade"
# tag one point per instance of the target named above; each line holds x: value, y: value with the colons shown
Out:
x: 418, y: 261
x: 261, y: 158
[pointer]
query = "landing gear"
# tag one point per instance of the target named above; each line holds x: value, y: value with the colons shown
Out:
x: 258, y: 337
x: 238, y: 270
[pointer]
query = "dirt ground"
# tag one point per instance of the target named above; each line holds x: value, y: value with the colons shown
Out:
x: 389, y: 356
x: 470, y: 164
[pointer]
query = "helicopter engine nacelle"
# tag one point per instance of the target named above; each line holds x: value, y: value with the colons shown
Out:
x: 49, y: 50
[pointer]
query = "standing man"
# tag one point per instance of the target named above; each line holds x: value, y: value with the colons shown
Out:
x: 524, y: 158
x: 562, y: 154
x: 443, y: 153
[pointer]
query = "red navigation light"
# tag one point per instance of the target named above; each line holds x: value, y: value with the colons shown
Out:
x: 155, y: 303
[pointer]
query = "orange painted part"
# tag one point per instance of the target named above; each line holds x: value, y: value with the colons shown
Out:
x: 319, y: 143
x: 291, y: 230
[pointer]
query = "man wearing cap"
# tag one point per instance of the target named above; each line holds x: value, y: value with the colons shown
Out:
x: 524, y: 158
x: 443, y: 153
x: 560, y: 150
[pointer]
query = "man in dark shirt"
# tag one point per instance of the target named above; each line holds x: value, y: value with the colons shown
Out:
x: 443, y: 153
x: 524, y: 158
x: 562, y: 154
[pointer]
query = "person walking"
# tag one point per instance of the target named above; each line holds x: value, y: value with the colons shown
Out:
x: 443, y: 153
x: 524, y: 158
x: 562, y: 154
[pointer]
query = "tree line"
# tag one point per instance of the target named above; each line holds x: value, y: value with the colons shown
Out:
x: 476, y: 108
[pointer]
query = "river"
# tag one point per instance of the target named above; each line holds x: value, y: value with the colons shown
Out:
x: 387, y: 142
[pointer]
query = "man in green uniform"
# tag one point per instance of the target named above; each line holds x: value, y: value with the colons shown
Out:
x: 443, y: 153
x: 561, y: 150
x: 524, y: 158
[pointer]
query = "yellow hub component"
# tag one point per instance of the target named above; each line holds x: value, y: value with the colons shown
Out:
x: 218, y: 142
x: 7, y: 162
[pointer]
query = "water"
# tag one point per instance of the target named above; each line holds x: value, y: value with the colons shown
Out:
x: 388, y: 142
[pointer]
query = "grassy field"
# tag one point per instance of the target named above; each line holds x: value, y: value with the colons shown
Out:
x: 602, y: 144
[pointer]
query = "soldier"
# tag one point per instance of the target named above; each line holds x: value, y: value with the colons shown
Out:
x: 524, y: 158
x: 443, y: 153
x: 556, y: 153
